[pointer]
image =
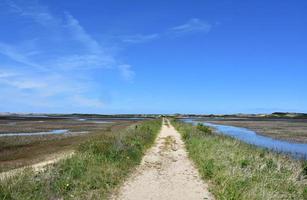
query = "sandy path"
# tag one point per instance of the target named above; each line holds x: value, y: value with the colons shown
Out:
x: 38, y: 166
x: 165, y: 173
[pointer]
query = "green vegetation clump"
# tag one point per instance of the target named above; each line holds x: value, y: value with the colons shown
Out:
x: 203, y: 128
x: 304, y: 166
x: 99, y: 165
x: 236, y: 170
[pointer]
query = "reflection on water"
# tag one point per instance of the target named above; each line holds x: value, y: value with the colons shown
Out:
x: 59, y: 131
x: 296, y: 149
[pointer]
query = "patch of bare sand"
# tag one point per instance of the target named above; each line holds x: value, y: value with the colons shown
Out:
x: 165, y: 173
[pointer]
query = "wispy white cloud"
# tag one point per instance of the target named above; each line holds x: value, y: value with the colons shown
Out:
x: 80, y: 35
x: 47, y: 73
x: 90, y: 53
x: 6, y: 74
x: 139, y: 38
x: 83, y: 61
x: 93, y: 56
x: 192, y: 26
x: 126, y: 72
x: 56, y: 68
x: 42, y: 82
x: 45, y: 90
x: 13, y: 53
x: 35, y: 11
x: 24, y: 84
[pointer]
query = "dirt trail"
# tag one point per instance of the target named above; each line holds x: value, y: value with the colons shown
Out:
x: 165, y: 173
x: 38, y: 166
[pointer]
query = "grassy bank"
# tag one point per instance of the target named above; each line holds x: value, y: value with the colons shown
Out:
x: 97, y: 168
x: 236, y: 170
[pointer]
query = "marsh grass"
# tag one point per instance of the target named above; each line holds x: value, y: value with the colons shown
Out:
x: 237, y: 170
x: 99, y: 165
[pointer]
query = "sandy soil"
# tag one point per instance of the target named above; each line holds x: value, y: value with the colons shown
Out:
x: 165, y: 172
x: 38, y: 166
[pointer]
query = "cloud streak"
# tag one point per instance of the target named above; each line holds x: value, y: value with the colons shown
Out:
x: 126, y: 72
x: 33, y: 10
x: 80, y: 35
x: 67, y: 32
x: 14, y: 54
x: 192, y: 26
x: 57, y: 65
x: 140, y: 38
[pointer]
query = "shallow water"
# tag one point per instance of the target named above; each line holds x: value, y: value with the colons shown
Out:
x: 109, y: 120
x: 298, y: 150
x: 99, y: 121
x: 58, y: 131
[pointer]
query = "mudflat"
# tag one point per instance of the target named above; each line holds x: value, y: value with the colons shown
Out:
x: 20, y: 151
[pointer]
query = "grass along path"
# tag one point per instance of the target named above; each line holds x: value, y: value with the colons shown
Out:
x: 165, y: 173
x: 37, y: 167
x: 240, y: 171
x: 98, y: 167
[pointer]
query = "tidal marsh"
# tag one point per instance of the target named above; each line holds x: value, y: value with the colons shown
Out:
x: 18, y: 151
x: 237, y: 170
x: 99, y: 166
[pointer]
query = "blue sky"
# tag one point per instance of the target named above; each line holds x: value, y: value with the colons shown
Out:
x: 140, y: 56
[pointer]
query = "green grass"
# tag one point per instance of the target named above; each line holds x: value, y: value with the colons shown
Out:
x: 98, y: 167
x: 236, y: 170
